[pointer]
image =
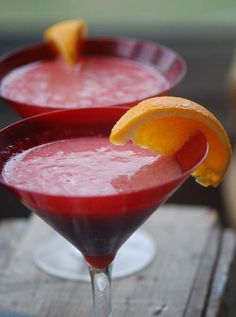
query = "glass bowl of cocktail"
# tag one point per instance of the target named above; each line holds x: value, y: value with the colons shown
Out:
x: 106, y: 72
x: 63, y: 166
x: 94, y: 72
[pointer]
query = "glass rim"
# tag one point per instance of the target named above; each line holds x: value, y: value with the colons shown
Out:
x: 183, y: 175
x: 23, y: 50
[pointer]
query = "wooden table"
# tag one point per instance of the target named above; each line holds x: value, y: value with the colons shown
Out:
x: 190, y: 276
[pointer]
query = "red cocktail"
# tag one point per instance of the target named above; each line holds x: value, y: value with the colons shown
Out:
x: 115, y: 198
x: 93, y: 81
x: 110, y: 72
x: 92, y: 167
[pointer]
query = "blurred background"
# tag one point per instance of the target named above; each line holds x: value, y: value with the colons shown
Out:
x: 130, y: 16
x: 203, y: 32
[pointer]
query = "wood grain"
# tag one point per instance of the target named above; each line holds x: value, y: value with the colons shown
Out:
x: 178, y: 280
x: 200, y: 290
x: 11, y: 232
x: 222, y: 294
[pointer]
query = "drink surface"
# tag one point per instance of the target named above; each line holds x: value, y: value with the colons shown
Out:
x: 93, y: 82
x: 88, y: 166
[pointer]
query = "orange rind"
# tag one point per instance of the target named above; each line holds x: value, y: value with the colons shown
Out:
x: 64, y: 38
x: 165, y: 124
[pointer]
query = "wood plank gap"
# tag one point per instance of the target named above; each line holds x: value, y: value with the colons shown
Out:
x: 213, y: 274
x: 221, y: 300
x: 204, y: 274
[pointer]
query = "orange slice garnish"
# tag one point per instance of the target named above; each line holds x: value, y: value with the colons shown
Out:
x: 165, y: 124
x: 64, y: 38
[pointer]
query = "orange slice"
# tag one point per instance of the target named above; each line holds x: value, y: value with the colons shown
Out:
x: 64, y: 38
x: 165, y: 124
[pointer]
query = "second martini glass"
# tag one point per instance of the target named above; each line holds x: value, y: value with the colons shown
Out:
x: 57, y: 257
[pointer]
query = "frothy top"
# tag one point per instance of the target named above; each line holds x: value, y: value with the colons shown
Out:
x: 88, y: 166
x: 93, y: 82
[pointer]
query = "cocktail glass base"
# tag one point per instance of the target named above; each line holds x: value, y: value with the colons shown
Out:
x: 59, y: 258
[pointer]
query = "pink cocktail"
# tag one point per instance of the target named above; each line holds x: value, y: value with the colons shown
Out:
x: 94, y: 168
x: 93, y: 81
x: 114, y: 198
x: 110, y: 72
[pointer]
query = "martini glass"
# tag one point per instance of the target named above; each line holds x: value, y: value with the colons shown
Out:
x: 100, y: 222
x: 57, y: 257
x: 157, y: 58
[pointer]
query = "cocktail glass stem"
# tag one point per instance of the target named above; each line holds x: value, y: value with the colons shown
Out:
x: 101, y: 286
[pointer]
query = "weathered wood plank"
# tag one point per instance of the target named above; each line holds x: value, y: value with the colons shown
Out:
x: 199, y: 292
x: 183, y: 236
x: 222, y: 300
x: 169, y: 280
x: 10, y: 233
